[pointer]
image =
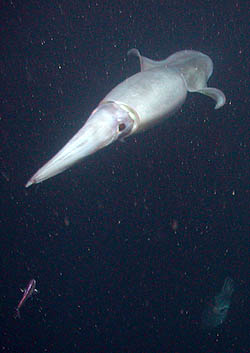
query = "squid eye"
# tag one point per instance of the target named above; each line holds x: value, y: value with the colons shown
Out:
x: 121, y: 127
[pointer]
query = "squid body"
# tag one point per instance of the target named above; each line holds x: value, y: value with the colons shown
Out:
x: 138, y: 103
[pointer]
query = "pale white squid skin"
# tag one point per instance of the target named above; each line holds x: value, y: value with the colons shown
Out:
x: 140, y: 102
x: 101, y: 129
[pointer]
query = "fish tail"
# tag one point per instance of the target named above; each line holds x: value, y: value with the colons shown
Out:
x: 17, y: 314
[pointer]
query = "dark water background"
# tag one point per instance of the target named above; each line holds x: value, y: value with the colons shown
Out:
x: 129, y: 245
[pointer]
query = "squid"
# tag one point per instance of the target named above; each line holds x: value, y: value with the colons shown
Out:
x: 136, y: 104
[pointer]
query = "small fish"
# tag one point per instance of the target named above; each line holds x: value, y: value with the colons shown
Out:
x: 216, y: 310
x: 28, y: 291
